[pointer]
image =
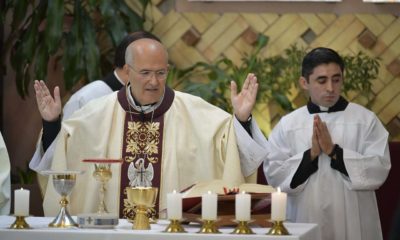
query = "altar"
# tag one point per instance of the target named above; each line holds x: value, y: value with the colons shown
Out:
x: 40, y: 230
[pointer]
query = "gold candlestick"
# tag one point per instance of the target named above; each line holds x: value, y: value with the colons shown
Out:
x: 278, y: 229
x: 209, y: 226
x: 242, y: 228
x: 20, y: 223
x: 144, y: 198
x: 175, y: 227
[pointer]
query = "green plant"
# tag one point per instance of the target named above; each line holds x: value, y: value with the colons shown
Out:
x: 80, y: 33
x: 359, y: 73
x: 277, y: 75
x: 23, y: 176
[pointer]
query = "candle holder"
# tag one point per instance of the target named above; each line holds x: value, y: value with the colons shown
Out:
x: 278, y: 229
x: 20, y: 223
x: 209, y: 226
x: 174, y: 227
x: 242, y: 228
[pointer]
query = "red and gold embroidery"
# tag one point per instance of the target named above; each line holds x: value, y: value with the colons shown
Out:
x: 142, y: 139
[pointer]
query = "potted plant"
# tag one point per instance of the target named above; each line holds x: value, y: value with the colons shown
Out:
x: 81, y: 34
x: 278, y: 76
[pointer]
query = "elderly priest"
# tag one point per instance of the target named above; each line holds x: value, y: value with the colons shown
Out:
x: 180, y: 137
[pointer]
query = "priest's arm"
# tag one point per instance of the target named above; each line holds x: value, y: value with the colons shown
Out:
x: 46, y: 143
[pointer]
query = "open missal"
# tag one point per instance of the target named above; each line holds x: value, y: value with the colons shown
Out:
x: 260, y: 201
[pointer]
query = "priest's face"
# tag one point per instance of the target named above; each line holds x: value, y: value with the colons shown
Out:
x: 324, y: 84
x: 148, y: 69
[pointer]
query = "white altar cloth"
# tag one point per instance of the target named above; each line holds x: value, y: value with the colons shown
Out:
x: 40, y: 230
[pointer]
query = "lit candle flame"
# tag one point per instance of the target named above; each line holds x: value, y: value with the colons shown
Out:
x: 279, y: 189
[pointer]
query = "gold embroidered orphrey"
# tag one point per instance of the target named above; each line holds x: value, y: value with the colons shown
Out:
x: 142, y: 139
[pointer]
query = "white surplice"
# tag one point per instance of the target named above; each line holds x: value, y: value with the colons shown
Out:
x: 344, y: 207
x: 5, y: 184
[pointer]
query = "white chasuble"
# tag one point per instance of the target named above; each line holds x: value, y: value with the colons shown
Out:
x: 198, y: 144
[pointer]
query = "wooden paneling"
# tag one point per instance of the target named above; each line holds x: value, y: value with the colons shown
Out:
x: 221, y: 34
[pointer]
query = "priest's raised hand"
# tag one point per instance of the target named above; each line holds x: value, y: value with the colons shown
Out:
x: 49, y: 107
x: 244, y: 101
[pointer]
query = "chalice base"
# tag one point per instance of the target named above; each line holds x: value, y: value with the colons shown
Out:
x: 278, y: 229
x: 141, y: 221
x: 63, y: 220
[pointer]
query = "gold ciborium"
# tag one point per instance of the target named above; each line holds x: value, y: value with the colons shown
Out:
x: 63, y: 182
x: 102, y: 173
x: 143, y: 198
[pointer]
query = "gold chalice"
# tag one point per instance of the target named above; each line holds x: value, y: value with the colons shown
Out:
x: 143, y: 198
x: 63, y: 182
x: 102, y: 173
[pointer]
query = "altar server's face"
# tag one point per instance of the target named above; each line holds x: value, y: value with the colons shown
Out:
x: 148, y: 70
x: 324, y: 84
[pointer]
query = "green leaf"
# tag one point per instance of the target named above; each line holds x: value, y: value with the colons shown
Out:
x: 19, y: 13
x: 27, y: 80
x: 19, y: 80
x: 133, y: 21
x: 262, y: 41
x: 72, y: 61
x: 92, y: 3
x: 113, y: 22
x: 41, y: 62
x: 29, y: 38
x: 54, y: 24
x: 91, y: 52
x: 283, y: 101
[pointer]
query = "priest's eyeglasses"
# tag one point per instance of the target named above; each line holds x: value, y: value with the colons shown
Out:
x: 148, y: 74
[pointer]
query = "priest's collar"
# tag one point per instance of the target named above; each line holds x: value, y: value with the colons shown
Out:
x: 142, y: 108
x: 118, y: 78
x: 112, y: 80
x: 159, y: 108
x: 340, y: 105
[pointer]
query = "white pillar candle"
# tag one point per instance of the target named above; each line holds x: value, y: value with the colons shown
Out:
x: 174, y: 205
x: 242, y: 206
x: 21, y: 202
x: 278, y: 206
x: 209, y: 206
